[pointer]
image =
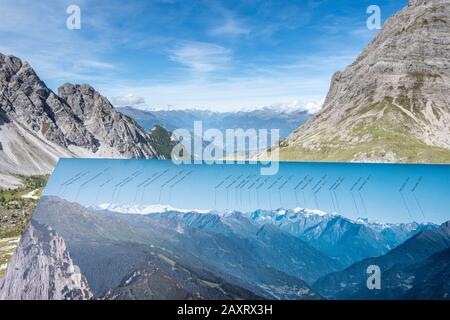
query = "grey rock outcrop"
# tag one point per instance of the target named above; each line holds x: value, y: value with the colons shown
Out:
x: 37, y: 127
x: 27, y: 100
x: 392, y: 103
x: 109, y: 126
x: 42, y: 269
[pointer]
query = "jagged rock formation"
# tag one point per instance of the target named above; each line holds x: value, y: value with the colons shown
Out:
x: 340, y: 238
x: 37, y: 126
x: 111, y: 128
x: 392, y: 103
x: 26, y: 99
x: 42, y: 269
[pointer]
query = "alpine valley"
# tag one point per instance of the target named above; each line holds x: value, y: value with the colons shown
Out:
x: 155, y: 252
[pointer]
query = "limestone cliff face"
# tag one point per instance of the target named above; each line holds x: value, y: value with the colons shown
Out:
x: 37, y: 126
x: 26, y: 99
x: 393, y: 102
x: 42, y: 269
x: 110, y: 127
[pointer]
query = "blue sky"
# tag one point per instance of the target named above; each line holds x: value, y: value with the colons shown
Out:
x: 220, y: 55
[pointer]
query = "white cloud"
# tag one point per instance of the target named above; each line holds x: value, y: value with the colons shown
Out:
x: 94, y: 64
x: 233, y: 93
x: 311, y: 107
x: 230, y: 28
x: 201, y: 56
x: 129, y: 100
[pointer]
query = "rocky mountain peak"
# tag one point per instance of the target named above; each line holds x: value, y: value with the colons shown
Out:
x: 84, y: 100
x: 28, y: 102
x: 9, y: 66
x: 112, y: 128
x: 391, y: 103
x: 38, y: 126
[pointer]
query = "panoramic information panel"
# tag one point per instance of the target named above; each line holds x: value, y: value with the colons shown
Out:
x: 150, y: 229
x: 381, y: 192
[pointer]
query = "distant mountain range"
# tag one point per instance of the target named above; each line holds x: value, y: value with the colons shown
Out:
x: 246, y: 261
x: 346, y: 241
x: 265, y: 118
x: 38, y: 126
x: 341, y: 238
x: 182, y: 254
x: 392, y: 103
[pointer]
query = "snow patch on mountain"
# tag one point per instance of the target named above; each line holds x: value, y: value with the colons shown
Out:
x: 379, y: 226
x: 144, y: 209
